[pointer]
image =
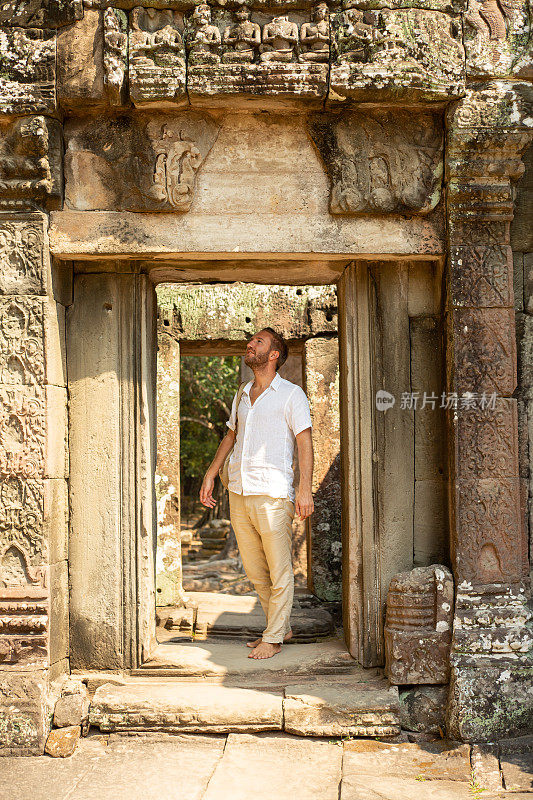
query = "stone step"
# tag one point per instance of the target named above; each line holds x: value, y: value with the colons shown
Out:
x: 227, y: 658
x: 307, y: 709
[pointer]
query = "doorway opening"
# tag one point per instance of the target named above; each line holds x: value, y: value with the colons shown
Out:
x: 202, y: 592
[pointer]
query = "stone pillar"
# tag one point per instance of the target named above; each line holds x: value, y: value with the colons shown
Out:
x: 491, y: 657
x: 322, y: 385
x: 111, y: 372
x: 169, y: 583
x: 33, y: 485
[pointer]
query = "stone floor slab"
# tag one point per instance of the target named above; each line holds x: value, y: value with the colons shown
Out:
x: 384, y: 787
x: 173, y: 706
x: 516, y: 759
x: 216, y: 658
x: 322, y: 709
x: 428, y: 761
x: 276, y: 767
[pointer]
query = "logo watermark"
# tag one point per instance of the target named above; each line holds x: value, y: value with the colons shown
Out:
x: 418, y: 401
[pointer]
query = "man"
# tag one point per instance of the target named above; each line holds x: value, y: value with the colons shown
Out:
x: 273, y: 415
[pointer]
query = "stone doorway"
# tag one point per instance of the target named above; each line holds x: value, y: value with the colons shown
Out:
x: 390, y: 338
x: 202, y: 331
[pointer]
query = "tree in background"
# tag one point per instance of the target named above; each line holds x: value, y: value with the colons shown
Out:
x: 207, y: 386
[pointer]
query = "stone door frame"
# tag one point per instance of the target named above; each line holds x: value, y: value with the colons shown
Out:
x: 130, y: 295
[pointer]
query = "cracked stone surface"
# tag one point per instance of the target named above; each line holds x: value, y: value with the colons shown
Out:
x: 239, y: 766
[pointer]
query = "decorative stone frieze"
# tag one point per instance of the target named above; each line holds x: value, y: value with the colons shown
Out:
x: 497, y: 38
x: 156, y: 57
x: 383, y: 54
x: 27, y: 70
x: 30, y: 163
x: 243, y: 62
x: 21, y: 335
x: 418, y: 626
x: 139, y: 163
x: 481, y: 276
x: 381, y: 161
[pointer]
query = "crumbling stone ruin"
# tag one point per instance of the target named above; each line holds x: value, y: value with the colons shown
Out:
x: 381, y: 147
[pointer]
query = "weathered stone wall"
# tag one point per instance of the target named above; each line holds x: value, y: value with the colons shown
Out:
x: 306, y: 194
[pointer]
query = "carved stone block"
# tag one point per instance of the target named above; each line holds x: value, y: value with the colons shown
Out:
x: 80, y: 62
x: 486, y: 541
x: 257, y: 85
x: 21, y: 518
x: 482, y: 347
x: 21, y: 341
x: 492, y: 105
x: 25, y: 732
x: 27, y: 70
x: 40, y: 13
x: 381, y: 161
x: 22, y: 431
x: 418, y: 626
x: 24, y: 268
x: 115, y: 23
x: 481, y: 276
x: 156, y: 58
x: 486, y: 440
x: 30, y: 163
x: 23, y: 632
x: 490, y: 701
x: 497, y: 39
x: 412, y: 53
x: 141, y: 163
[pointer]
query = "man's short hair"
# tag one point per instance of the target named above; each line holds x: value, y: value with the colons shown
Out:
x: 278, y: 343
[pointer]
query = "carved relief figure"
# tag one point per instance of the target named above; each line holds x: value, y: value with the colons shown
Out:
x: 20, y: 257
x: 202, y: 39
x: 177, y: 161
x: 354, y: 37
x: 280, y: 40
x: 24, y: 164
x: 242, y: 39
x: 21, y: 433
x: 20, y: 354
x: 21, y: 511
x: 155, y: 38
x: 115, y: 53
x: 315, y: 36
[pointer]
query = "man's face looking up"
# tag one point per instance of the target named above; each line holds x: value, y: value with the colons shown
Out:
x: 259, y: 350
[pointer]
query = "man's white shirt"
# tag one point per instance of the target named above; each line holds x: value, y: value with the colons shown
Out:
x: 261, y: 461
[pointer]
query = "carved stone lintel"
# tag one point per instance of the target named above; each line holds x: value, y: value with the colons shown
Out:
x: 30, y: 163
x: 141, y: 163
x: 418, y: 626
x: 381, y: 161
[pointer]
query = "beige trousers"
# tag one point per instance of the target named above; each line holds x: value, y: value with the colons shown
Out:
x: 263, y: 528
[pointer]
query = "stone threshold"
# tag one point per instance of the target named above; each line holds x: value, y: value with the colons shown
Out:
x: 305, y: 709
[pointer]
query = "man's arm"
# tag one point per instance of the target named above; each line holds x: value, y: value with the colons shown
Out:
x: 208, y: 483
x: 304, y: 505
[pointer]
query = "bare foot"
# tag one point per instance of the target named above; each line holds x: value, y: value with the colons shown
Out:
x: 288, y: 636
x: 265, y: 650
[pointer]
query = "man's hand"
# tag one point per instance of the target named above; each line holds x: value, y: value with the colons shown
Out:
x: 206, y: 492
x: 304, y: 505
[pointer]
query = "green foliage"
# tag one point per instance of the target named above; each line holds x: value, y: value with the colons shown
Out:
x: 208, y: 384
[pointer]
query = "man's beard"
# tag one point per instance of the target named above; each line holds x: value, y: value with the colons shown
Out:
x: 255, y: 359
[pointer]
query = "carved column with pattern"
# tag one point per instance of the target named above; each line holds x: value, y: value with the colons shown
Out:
x: 488, y: 132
